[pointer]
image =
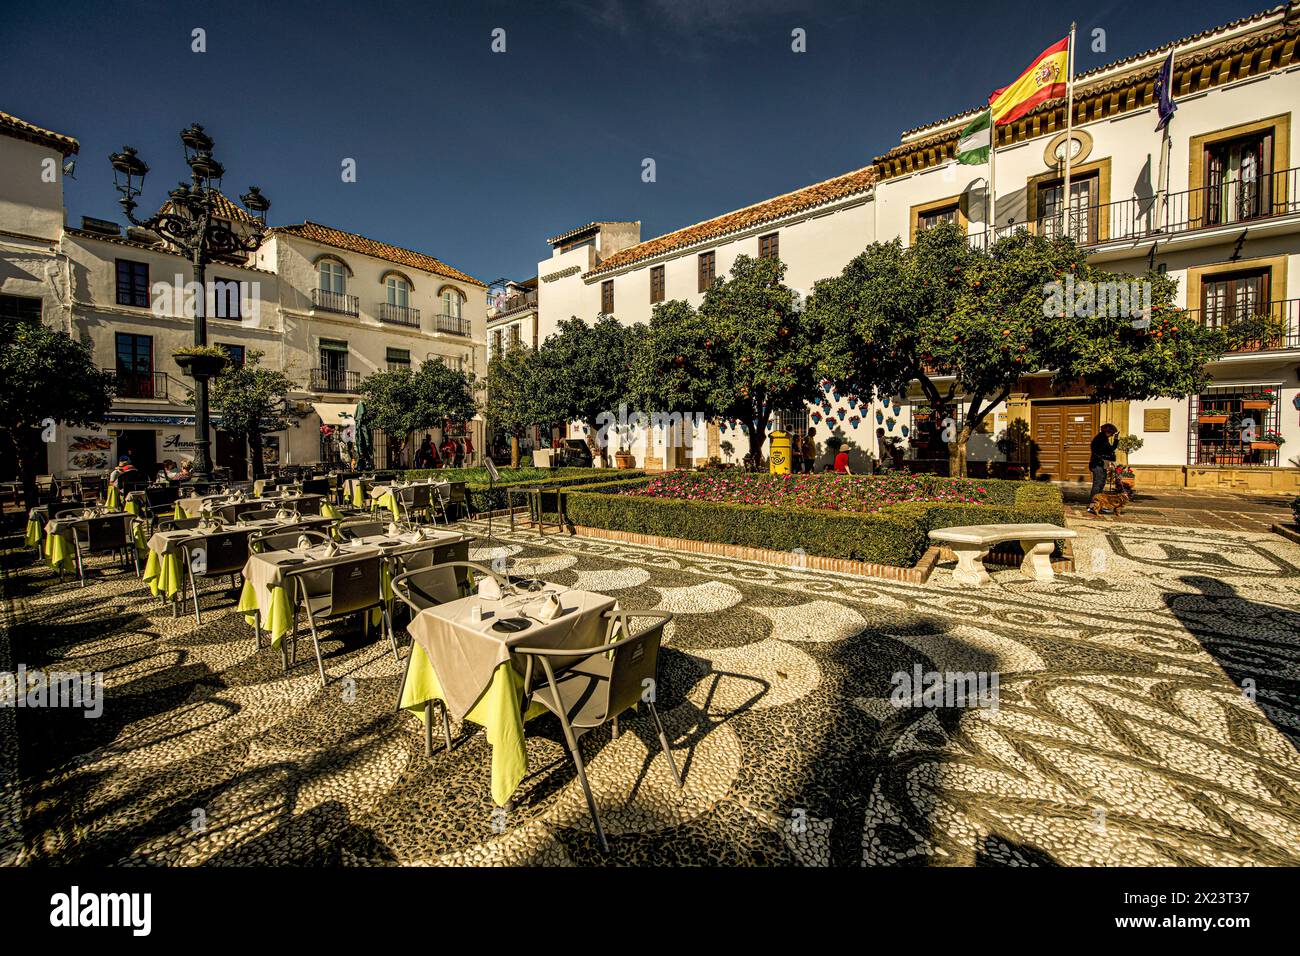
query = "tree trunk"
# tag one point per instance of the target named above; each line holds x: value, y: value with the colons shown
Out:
x: 26, y: 470
x: 957, y: 453
x: 514, y: 451
x: 255, y: 454
x: 757, y: 435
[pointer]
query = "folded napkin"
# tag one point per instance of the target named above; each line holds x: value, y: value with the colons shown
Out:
x: 394, y: 529
x: 331, y: 549
x: 549, y: 609
x: 411, y: 536
x: 304, y: 542
x: 489, y: 589
x: 282, y: 513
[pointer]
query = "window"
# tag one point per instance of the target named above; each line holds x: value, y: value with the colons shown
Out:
x: 1230, y: 297
x: 932, y: 217
x: 708, y: 265
x: 225, y: 299
x: 607, y: 297
x: 134, y: 365
x: 397, y: 359
x: 1229, y: 425
x: 236, y: 353
x: 496, y: 342
x: 657, y: 284
x: 133, y: 283
x: 19, y: 308
x: 1238, y: 178
x: 1083, y: 211
x: 793, y: 423
x: 514, y: 335
x: 451, y: 300
x: 768, y: 247
x: 333, y: 277
x: 399, y: 291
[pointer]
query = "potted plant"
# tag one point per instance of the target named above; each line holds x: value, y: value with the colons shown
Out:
x: 201, y: 361
x: 1261, y: 399
x: 1212, y: 418
x: 1267, y: 441
x: 1124, y: 478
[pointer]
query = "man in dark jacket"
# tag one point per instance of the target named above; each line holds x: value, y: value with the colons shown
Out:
x: 1102, y: 452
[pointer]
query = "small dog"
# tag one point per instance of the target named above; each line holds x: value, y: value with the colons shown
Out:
x: 1114, y: 500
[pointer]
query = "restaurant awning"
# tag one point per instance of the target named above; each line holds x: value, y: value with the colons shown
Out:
x: 334, y: 413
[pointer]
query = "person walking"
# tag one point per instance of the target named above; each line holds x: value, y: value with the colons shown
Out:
x: 809, y: 450
x: 1102, y: 455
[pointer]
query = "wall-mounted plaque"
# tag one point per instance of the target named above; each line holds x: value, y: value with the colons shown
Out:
x: 1155, y: 419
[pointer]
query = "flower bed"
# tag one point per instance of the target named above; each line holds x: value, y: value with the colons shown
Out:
x: 894, y: 534
x: 830, y: 492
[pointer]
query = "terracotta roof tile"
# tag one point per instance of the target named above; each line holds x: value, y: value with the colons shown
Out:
x: 818, y: 194
x: 21, y: 129
x: 226, y: 209
x: 326, y: 235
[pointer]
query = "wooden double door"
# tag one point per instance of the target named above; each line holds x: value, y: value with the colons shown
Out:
x: 1062, y: 433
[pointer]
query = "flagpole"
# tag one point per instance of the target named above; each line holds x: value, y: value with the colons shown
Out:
x: 991, y: 205
x: 1069, y: 135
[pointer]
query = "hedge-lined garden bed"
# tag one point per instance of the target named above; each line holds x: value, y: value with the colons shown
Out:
x: 492, y: 497
x: 895, y: 534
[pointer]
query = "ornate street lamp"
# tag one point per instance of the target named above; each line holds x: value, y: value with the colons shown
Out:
x: 192, y: 222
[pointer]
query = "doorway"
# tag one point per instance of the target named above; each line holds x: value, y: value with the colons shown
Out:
x: 1062, y: 433
x: 141, y: 444
x: 232, y: 453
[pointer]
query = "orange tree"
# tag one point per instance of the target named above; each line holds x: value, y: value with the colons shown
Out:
x: 967, y: 324
x: 748, y: 352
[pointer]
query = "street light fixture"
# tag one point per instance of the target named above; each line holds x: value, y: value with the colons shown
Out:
x: 193, y: 222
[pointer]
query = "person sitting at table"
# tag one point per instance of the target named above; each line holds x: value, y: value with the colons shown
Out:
x: 169, y: 471
x: 124, y: 467
x: 186, y: 471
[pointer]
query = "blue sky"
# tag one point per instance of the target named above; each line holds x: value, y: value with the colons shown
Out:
x: 477, y: 157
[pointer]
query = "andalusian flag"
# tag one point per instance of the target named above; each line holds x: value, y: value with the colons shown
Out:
x: 975, y: 140
x: 1044, y: 80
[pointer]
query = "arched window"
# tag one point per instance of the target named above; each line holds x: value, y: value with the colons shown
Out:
x: 451, y: 302
x: 333, y: 276
x: 399, y: 290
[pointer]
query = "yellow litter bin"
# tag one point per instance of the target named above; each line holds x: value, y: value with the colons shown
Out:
x: 778, y: 453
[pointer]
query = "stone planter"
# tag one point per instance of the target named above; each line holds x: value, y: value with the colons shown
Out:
x: 624, y: 459
x: 200, y: 366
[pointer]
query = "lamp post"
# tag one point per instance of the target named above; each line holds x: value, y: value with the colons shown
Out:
x: 192, y: 223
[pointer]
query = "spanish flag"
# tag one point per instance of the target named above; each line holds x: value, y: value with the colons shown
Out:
x: 1044, y: 80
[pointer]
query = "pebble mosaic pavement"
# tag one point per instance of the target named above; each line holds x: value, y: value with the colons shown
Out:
x: 1122, y: 737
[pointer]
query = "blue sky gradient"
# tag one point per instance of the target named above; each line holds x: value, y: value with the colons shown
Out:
x: 477, y: 157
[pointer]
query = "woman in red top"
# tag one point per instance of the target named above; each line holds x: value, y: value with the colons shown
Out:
x: 842, y: 462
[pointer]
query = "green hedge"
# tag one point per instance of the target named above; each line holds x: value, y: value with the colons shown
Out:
x: 485, y: 497
x: 896, y: 535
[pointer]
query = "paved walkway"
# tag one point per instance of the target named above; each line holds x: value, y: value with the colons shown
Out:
x: 1148, y: 713
x: 1188, y: 508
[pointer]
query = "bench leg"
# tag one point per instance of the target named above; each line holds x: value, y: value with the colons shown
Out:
x: 1038, y: 560
x: 970, y: 566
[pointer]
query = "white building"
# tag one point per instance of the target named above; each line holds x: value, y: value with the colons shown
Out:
x: 326, y: 306
x: 1224, y: 220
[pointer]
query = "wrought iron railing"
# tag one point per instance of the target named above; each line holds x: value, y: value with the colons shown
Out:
x: 334, y: 380
x: 391, y: 314
x: 452, y: 324
x: 341, y: 302
x: 1280, y: 321
x: 129, y: 383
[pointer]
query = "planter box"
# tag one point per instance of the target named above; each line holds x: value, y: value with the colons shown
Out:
x: 1257, y: 403
x: 200, y: 366
x: 624, y: 460
x: 1212, y: 420
x: 1263, y: 446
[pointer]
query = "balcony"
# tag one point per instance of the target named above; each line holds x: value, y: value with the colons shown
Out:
x: 334, y: 380
x: 1149, y: 217
x: 451, y: 324
x: 131, y: 384
x: 391, y: 314
x: 339, y: 302
x: 515, y: 303
x: 1282, y: 315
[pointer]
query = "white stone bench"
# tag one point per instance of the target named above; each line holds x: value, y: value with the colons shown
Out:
x: 971, y: 543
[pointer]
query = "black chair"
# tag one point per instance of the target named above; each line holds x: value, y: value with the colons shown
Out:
x: 213, y: 556
x: 178, y: 524
x: 103, y: 535
x: 230, y: 513
x: 281, y: 540
x: 262, y: 513
x: 413, y: 499
x: 334, y: 588
x: 362, y: 529
x: 317, y: 486
x: 597, y: 685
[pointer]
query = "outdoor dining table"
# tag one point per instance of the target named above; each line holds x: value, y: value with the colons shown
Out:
x: 163, y: 570
x: 385, y: 496
x: 60, y: 549
x: 264, y: 596
x: 471, y: 667
x: 36, y: 518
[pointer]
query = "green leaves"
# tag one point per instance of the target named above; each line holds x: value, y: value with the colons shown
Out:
x: 252, y: 399
x: 404, y: 401
x: 45, y: 373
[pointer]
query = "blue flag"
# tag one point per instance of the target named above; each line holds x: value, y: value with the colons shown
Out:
x: 1165, y: 92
